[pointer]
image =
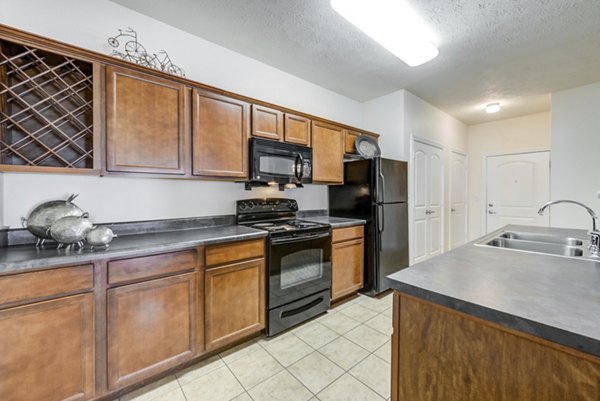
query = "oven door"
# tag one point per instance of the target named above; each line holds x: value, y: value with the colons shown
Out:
x: 298, y: 267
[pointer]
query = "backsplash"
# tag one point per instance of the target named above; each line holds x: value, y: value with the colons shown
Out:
x: 110, y: 199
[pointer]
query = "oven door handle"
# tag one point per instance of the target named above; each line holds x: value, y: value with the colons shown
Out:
x: 277, y: 241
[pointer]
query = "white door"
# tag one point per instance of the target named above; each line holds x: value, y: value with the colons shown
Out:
x: 458, y: 199
x: 428, y: 201
x: 517, y: 185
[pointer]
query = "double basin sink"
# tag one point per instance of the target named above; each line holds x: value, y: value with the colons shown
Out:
x: 544, y: 243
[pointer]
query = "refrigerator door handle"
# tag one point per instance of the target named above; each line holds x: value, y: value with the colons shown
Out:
x: 382, y: 186
x: 381, y: 218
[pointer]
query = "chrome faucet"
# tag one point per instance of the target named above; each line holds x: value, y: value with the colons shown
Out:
x: 594, y: 234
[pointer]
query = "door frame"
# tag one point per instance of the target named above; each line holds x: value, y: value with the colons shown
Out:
x: 411, y: 193
x: 461, y: 153
x: 484, y: 185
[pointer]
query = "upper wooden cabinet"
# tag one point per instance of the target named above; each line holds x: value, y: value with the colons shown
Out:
x: 221, y: 127
x: 297, y: 129
x: 267, y: 122
x: 47, y: 350
x: 328, y: 153
x: 350, y: 142
x: 146, y: 123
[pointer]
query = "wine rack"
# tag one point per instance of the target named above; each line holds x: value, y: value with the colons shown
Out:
x: 46, y: 108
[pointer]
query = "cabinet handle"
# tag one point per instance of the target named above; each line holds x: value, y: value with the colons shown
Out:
x: 491, y: 212
x: 452, y: 209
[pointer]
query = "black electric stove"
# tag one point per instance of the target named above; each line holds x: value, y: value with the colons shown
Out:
x: 298, y: 261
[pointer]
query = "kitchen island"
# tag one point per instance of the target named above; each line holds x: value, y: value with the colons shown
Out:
x: 484, y: 323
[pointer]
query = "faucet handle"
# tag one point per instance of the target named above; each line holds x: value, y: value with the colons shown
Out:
x: 594, y: 243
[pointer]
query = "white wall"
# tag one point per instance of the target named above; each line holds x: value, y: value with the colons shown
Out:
x: 514, y: 135
x: 110, y: 199
x: 425, y: 121
x: 385, y: 116
x: 575, y: 154
x: 88, y: 23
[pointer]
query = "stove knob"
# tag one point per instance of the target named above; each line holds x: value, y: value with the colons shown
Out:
x: 250, y: 205
x: 243, y: 206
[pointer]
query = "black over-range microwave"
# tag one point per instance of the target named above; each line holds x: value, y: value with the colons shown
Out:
x: 285, y: 164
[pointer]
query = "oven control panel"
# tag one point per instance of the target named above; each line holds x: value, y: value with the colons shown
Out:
x: 266, y: 205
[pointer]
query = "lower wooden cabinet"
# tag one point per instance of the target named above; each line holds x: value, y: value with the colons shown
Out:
x: 347, y: 262
x: 151, y: 327
x: 441, y: 354
x: 47, y: 350
x: 235, y: 302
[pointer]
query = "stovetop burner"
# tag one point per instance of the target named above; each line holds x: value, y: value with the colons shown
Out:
x: 276, y: 215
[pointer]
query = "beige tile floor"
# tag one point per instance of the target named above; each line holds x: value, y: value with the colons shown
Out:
x: 343, y: 355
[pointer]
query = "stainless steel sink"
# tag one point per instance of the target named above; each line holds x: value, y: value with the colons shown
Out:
x: 543, y: 243
x: 540, y: 247
x: 545, y: 238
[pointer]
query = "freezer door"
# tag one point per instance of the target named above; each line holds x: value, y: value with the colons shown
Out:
x: 391, y: 241
x: 393, y: 181
x: 355, y: 197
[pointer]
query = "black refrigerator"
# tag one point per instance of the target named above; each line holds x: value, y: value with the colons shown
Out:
x: 376, y: 190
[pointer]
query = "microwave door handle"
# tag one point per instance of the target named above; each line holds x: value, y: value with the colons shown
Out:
x: 299, y: 168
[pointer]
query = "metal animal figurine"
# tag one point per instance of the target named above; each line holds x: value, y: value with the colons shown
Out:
x: 43, y: 216
x: 71, y: 230
x: 100, y: 236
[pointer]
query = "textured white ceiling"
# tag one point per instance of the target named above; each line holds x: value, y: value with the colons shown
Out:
x: 513, y: 51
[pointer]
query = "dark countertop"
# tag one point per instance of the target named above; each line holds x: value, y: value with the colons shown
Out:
x: 21, y: 258
x: 336, y: 222
x: 551, y: 297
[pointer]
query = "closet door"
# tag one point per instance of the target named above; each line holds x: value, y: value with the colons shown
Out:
x: 428, y: 201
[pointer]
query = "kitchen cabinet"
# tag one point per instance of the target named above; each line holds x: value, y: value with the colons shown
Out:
x: 47, y: 350
x: 328, y: 153
x: 221, y: 128
x: 347, y: 262
x: 151, y: 327
x: 462, y: 357
x: 297, y: 129
x: 234, y: 292
x: 146, y: 130
x: 350, y: 140
x: 267, y: 122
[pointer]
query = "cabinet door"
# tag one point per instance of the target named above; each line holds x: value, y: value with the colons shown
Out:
x: 47, y: 350
x: 347, y: 263
x: 220, y: 135
x: 350, y: 142
x: 145, y: 123
x: 297, y: 129
x: 328, y: 153
x: 235, y: 302
x: 267, y: 123
x: 150, y: 328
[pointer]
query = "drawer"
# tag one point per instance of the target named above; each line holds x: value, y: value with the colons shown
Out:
x: 144, y: 267
x: 231, y: 252
x: 344, y: 234
x: 46, y: 283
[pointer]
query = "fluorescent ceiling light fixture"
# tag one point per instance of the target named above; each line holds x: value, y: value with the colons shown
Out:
x: 492, y: 108
x: 393, y: 24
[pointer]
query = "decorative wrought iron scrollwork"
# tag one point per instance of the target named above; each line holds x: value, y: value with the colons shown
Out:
x: 129, y: 49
